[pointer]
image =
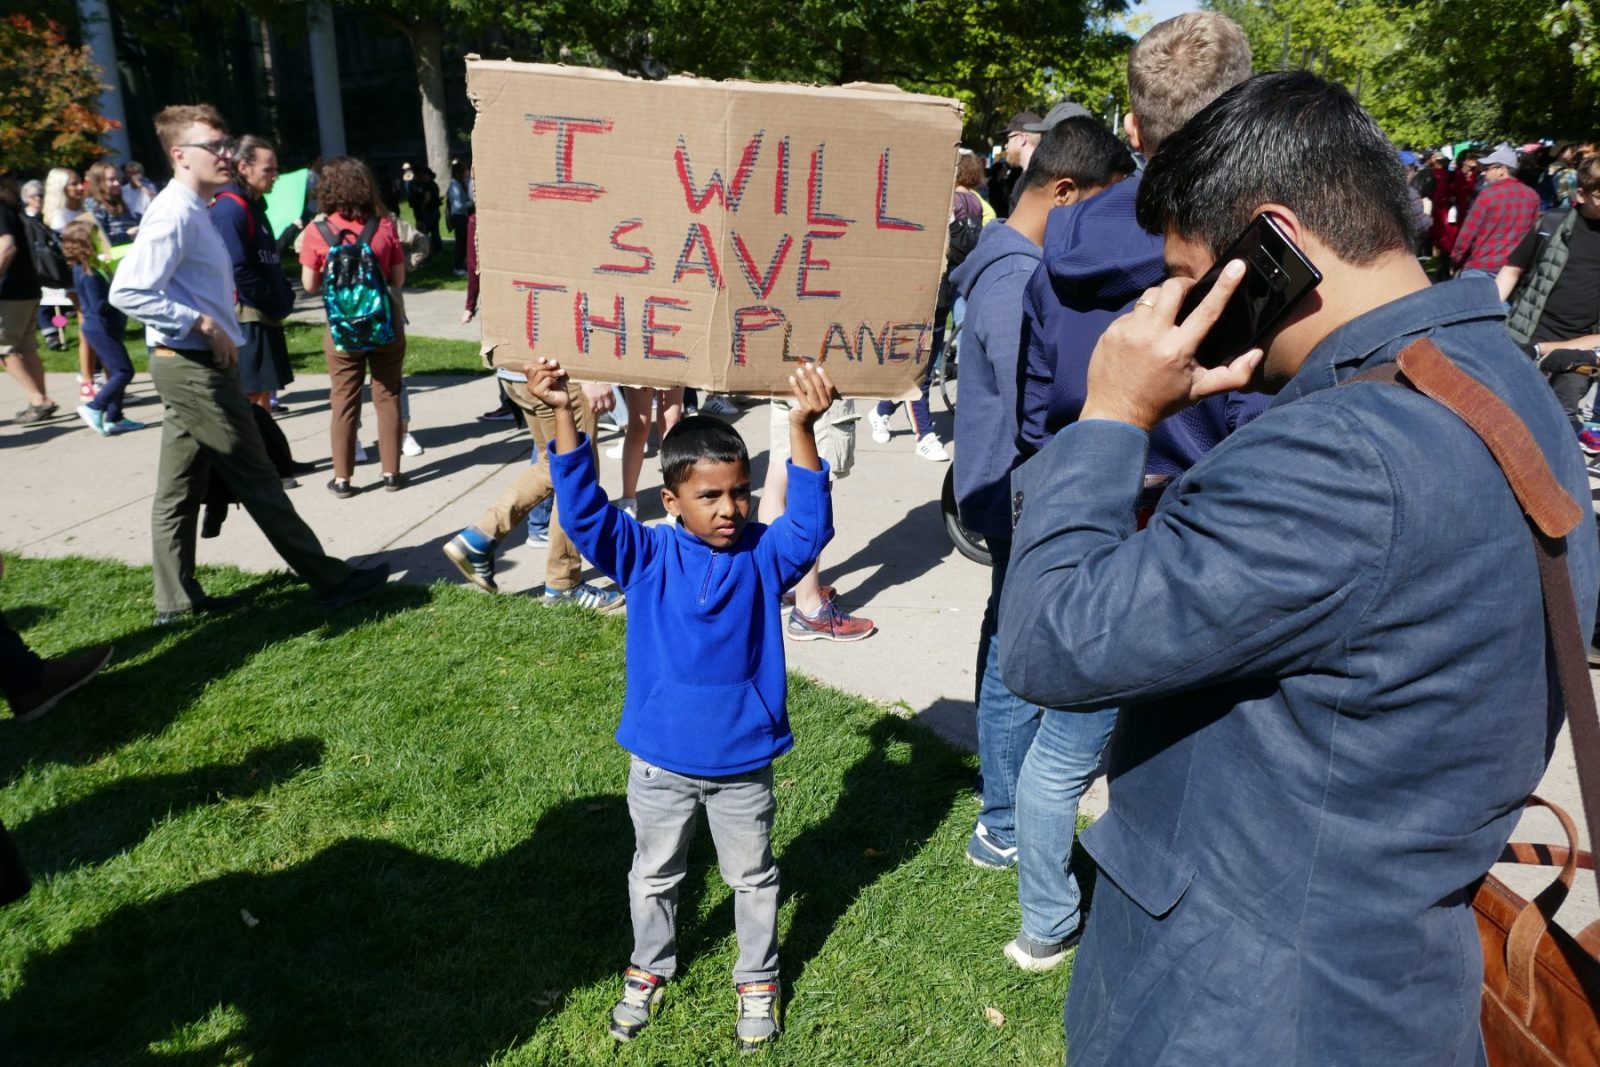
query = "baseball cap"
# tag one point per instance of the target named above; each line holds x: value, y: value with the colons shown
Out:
x: 1067, y: 109
x: 1408, y: 158
x: 1503, y: 156
x: 1019, y: 122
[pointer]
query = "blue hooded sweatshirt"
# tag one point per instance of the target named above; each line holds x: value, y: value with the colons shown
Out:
x: 993, y: 280
x: 1097, y: 261
x: 706, y: 690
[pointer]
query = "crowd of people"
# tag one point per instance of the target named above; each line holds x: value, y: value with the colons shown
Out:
x: 1287, y: 603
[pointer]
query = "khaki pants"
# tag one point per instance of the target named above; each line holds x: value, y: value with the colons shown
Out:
x: 347, y: 372
x: 564, y: 566
x: 208, y: 429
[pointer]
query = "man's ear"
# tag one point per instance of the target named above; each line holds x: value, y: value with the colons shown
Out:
x: 1130, y: 126
x: 1065, y: 191
x: 669, y: 500
x: 1285, y: 217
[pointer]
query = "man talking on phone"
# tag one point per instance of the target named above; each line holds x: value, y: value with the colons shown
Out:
x: 1327, y: 645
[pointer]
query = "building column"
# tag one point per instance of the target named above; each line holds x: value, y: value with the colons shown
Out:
x: 103, y: 46
x: 325, y: 78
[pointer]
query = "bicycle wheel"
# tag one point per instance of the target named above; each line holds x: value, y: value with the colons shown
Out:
x: 969, y: 544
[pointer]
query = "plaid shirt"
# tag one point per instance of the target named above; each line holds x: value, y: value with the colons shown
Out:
x: 1501, y: 217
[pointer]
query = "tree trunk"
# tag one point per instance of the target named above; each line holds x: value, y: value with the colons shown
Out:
x: 427, y: 44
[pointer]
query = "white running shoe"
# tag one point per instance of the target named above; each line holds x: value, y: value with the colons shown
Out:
x: 931, y: 450
x: 629, y: 506
x: 880, y: 426
x: 719, y: 406
x: 410, y: 447
x: 615, y: 451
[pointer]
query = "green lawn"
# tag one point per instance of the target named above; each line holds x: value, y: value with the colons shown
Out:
x: 424, y: 355
x: 398, y: 836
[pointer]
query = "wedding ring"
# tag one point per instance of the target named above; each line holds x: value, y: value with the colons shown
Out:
x: 1144, y: 302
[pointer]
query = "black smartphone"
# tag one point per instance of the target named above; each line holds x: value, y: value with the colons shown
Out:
x: 1277, y: 277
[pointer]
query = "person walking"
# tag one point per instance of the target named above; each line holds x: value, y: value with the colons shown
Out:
x: 103, y: 325
x: 178, y: 281
x: 19, y: 301
x: 263, y: 296
x: 348, y: 193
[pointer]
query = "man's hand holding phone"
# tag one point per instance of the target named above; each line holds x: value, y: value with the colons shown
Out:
x: 1144, y: 370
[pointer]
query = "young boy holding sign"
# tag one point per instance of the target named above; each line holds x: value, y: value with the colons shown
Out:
x: 704, y: 714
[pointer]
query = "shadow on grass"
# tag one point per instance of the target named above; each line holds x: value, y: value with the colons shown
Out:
x: 158, y: 672
x: 20, y: 618
x: 373, y: 953
x: 99, y: 826
x: 367, y: 953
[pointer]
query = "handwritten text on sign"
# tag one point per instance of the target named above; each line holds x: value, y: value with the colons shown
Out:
x: 694, y: 252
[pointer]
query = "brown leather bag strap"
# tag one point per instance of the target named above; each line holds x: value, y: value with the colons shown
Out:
x: 1552, y: 514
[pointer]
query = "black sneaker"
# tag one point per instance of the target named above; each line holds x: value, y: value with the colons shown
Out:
x: 362, y: 582
x: 393, y: 483
x: 60, y: 677
x: 341, y: 488
x: 210, y: 605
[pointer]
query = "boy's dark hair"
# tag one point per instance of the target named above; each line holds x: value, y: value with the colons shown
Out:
x: 1289, y: 138
x: 696, y: 438
x: 1082, y: 149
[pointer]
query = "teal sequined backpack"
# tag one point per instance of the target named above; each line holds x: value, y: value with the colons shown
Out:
x: 355, y: 293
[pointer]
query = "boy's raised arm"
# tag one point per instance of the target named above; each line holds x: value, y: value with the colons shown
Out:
x: 806, y: 526
x: 615, y: 542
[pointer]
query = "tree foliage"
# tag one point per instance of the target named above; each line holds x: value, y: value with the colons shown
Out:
x: 996, y: 56
x: 48, y: 94
x: 1438, y: 71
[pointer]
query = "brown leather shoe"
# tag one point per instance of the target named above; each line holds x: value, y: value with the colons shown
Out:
x: 60, y: 677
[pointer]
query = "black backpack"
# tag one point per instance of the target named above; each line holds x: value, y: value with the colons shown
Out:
x: 965, y: 229
x: 49, y: 261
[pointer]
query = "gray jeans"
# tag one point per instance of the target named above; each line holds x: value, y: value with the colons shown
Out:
x: 739, y: 810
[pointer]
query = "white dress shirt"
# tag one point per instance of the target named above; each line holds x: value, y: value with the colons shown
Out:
x: 178, y: 270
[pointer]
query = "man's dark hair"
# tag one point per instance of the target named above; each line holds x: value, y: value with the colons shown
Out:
x: 1080, y: 148
x: 696, y: 438
x: 1288, y: 138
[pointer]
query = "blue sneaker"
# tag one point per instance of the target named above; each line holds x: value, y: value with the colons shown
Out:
x: 985, y: 851
x: 539, y: 537
x: 586, y: 596
x: 123, y: 425
x: 473, y: 555
x: 95, y: 418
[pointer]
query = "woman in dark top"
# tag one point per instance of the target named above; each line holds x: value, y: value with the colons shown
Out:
x: 105, y: 202
x: 103, y: 325
x: 264, y: 298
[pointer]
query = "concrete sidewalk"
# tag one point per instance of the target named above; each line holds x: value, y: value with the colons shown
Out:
x: 71, y: 492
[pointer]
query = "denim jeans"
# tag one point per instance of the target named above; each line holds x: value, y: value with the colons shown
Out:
x: 917, y: 408
x: 739, y: 810
x: 1006, y: 722
x: 1058, y: 767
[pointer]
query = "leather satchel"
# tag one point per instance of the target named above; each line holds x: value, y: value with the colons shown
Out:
x: 1541, y: 984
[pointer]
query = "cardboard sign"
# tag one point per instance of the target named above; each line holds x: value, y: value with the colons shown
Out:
x: 688, y: 232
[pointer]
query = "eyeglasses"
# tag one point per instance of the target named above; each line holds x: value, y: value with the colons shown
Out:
x: 219, y: 148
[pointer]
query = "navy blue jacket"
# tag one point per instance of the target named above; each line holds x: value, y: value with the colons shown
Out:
x: 993, y: 279
x: 1329, y: 653
x: 706, y: 685
x: 258, y: 278
x: 1097, y: 262
x: 94, y: 298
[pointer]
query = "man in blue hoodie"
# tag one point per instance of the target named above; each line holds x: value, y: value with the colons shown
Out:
x: 1075, y: 160
x: 1097, y: 261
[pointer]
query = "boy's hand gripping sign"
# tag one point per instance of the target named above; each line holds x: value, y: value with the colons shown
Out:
x: 701, y: 233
